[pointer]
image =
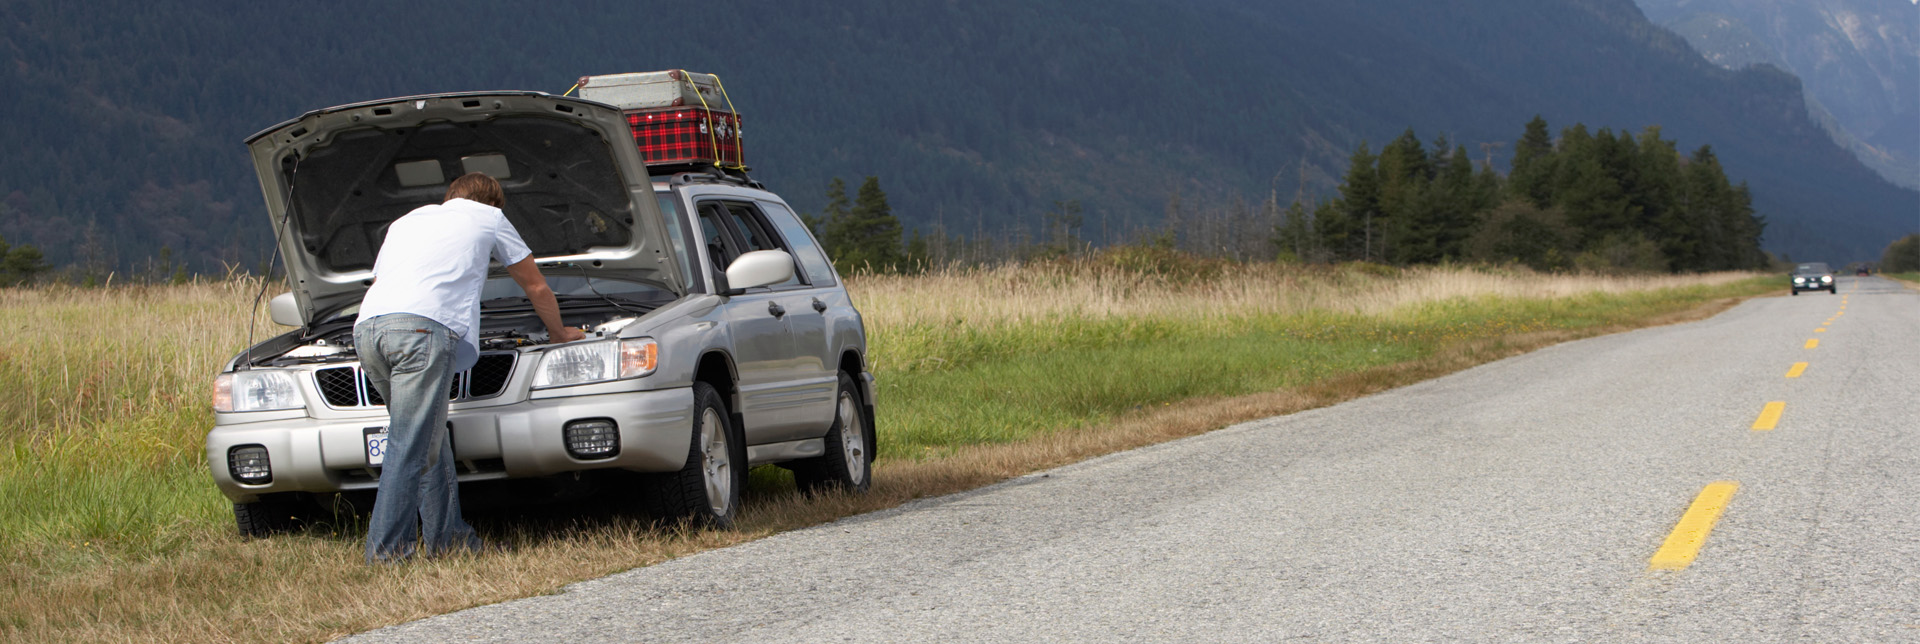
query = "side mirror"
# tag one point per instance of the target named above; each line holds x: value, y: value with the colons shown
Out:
x: 284, y: 310
x: 759, y: 268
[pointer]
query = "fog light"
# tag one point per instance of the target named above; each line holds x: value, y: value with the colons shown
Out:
x: 248, y: 464
x: 591, y: 439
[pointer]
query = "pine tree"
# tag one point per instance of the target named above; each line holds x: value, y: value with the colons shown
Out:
x: 836, y: 208
x: 1583, y: 188
x: 19, y: 264
x: 919, y: 253
x: 867, y: 237
x: 1353, y: 234
x: 1657, y: 165
x: 1293, y: 236
x: 1533, y: 165
x: 1456, y: 200
x: 1332, y: 230
x: 1406, y: 202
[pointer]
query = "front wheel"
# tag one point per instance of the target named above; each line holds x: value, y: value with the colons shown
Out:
x: 708, y: 487
x: 848, y: 463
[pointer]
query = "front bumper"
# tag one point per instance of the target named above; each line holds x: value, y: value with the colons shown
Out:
x: 504, y: 441
x: 1814, y: 285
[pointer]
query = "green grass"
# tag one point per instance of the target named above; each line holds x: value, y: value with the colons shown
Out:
x: 1008, y: 384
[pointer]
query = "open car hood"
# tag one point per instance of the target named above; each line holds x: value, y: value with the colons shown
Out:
x: 577, y: 189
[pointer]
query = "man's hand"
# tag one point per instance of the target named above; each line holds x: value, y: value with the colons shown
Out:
x: 528, y: 276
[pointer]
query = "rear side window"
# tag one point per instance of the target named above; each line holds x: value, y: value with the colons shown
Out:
x: 799, y: 242
x: 737, y: 228
x: 751, y: 232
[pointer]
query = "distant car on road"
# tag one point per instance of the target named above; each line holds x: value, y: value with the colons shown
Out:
x: 1813, y: 276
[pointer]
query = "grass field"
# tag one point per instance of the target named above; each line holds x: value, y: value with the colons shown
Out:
x: 110, y: 527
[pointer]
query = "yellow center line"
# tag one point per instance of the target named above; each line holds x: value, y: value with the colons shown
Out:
x: 1820, y: 330
x: 1828, y: 322
x: 1797, y: 369
x: 1813, y: 343
x: 1683, y: 544
x: 1770, y: 416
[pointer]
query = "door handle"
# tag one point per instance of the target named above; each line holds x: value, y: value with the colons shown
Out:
x: 776, y: 309
x: 819, y: 305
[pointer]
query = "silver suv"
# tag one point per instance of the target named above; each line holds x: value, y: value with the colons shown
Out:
x: 719, y: 336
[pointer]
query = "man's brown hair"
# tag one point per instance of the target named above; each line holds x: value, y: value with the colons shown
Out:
x: 477, y: 186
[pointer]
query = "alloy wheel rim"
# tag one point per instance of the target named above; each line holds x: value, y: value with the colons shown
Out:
x: 853, y: 439
x: 716, y: 465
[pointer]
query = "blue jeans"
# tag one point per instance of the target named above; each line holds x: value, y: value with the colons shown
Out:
x: 409, y: 360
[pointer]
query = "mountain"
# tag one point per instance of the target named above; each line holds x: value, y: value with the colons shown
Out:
x: 124, y: 119
x: 1859, y: 59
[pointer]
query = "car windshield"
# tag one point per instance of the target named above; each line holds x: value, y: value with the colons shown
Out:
x: 1815, y: 267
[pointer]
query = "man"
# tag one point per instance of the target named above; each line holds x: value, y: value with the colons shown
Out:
x: 418, y: 326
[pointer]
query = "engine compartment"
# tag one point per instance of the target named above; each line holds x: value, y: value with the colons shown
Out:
x: 510, y: 329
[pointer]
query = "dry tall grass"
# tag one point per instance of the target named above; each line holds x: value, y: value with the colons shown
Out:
x: 75, y: 361
x: 113, y: 532
x: 1015, y: 294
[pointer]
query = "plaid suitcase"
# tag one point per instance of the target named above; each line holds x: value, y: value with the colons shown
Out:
x: 687, y: 136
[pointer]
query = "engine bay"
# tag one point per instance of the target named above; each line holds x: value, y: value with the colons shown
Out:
x: 505, y: 330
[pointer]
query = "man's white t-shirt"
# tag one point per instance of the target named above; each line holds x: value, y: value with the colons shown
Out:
x: 434, y: 262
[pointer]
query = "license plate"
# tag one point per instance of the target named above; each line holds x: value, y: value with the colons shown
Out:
x: 376, y: 445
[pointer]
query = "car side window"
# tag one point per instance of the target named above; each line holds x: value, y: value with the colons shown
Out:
x: 754, y: 228
x: 800, y: 242
x: 713, y: 232
x: 739, y: 228
x: 750, y: 229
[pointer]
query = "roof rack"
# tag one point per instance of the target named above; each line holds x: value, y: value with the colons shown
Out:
x: 684, y: 175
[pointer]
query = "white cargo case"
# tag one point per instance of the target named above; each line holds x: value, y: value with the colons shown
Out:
x: 653, y: 90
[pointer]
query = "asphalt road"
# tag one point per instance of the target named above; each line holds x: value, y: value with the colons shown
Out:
x: 1520, y: 501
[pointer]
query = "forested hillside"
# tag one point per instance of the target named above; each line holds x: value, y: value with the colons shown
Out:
x: 124, y: 119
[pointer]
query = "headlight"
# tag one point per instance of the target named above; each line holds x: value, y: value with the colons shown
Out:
x: 1826, y: 278
x: 256, y: 390
x: 578, y: 364
x: 1799, y: 280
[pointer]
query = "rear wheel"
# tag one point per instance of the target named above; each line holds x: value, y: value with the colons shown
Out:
x: 708, y: 487
x: 848, y: 463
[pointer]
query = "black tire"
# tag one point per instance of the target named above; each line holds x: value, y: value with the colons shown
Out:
x: 1796, y: 292
x: 272, y: 514
x: 688, y: 492
x: 1834, y: 290
x: 848, y: 463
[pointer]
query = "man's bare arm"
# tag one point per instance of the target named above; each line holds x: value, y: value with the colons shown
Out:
x: 528, y: 276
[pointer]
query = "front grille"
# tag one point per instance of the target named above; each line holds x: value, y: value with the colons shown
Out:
x: 346, y: 387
